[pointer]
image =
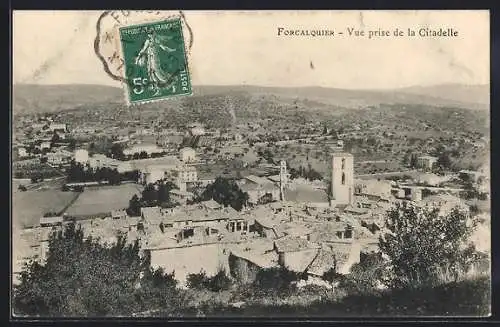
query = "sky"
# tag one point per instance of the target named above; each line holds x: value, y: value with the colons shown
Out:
x: 234, y: 48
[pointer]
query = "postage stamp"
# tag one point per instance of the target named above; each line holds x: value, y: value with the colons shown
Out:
x: 155, y: 61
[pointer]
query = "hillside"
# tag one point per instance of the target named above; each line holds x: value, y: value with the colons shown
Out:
x: 464, y: 93
x: 29, y: 98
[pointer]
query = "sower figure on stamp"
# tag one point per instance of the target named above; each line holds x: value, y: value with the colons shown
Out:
x: 149, y: 56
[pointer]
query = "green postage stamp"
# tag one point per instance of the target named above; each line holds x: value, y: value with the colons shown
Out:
x: 155, y: 61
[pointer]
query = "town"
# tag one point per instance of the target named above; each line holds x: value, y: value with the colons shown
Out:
x: 303, y: 193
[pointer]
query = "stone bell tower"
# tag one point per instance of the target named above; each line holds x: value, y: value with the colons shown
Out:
x: 283, y: 179
x: 342, y: 185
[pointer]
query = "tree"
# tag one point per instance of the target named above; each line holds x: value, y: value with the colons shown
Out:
x: 325, y: 130
x: 332, y: 275
x: 197, y: 280
x: 422, y: 243
x: 413, y: 160
x: 443, y: 161
x: 117, y: 151
x: 275, y: 280
x: 72, y: 281
x: 72, y: 144
x: 226, y: 192
x: 55, y: 138
x: 114, y: 177
x: 220, y: 281
x: 150, y: 195
x: 363, y: 277
x: 134, y: 206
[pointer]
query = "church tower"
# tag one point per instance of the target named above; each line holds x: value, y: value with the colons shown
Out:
x: 283, y: 179
x: 342, y: 178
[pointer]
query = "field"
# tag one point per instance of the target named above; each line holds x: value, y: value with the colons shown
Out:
x: 28, y: 207
x: 102, y: 200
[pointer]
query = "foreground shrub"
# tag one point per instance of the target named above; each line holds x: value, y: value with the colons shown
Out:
x: 82, y: 277
x: 219, y: 282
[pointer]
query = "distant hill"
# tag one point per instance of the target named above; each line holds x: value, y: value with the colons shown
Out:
x: 456, y: 92
x: 30, y: 98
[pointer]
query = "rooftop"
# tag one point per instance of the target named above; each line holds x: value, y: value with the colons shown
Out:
x: 306, y: 193
x: 324, y: 261
x: 341, y: 154
x: 257, y: 251
x: 258, y: 180
x: 293, y: 244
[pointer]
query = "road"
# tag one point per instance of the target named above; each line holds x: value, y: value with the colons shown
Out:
x: 433, y: 188
x: 388, y: 173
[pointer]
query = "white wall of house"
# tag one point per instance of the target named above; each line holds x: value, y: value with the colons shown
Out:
x: 189, y: 260
x: 293, y: 260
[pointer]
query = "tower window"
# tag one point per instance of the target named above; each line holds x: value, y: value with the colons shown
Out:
x: 343, y: 163
x: 343, y: 178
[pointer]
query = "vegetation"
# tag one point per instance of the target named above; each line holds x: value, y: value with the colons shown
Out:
x: 154, y: 194
x: 226, y: 192
x: 78, y: 173
x: 307, y: 173
x: 419, y: 267
x: 82, y: 277
x: 219, y: 282
x: 422, y: 246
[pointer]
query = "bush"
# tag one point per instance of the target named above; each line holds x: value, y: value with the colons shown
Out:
x: 82, y: 277
x: 218, y: 282
x: 364, y: 276
x: 421, y: 243
x: 197, y: 280
x: 275, y: 280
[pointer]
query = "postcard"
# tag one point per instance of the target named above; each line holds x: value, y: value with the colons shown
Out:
x: 174, y: 164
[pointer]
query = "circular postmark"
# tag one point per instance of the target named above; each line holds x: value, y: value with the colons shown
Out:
x: 108, y: 45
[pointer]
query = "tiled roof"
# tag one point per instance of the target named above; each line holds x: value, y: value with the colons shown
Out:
x: 304, y: 193
x: 324, y: 261
x: 212, y: 204
x: 258, y: 180
x: 293, y: 244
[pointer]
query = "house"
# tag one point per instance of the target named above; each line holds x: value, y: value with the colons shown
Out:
x: 53, y: 127
x: 45, y: 146
x: 323, y: 262
x: 154, y: 169
x: 187, y: 155
x: 307, y: 195
x: 51, y: 221
x: 473, y: 176
x: 22, y: 152
x: 58, y: 158
x: 186, y: 174
x: 426, y: 162
x: 139, y: 148
x: 373, y: 187
x: 260, y: 190
x: 268, y: 226
x: 356, y: 210
x: 247, y: 259
x: 181, y: 196
x: 295, y: 253
x: 197, y: 130
x: 445, y: 203
x: 331, y: 231
x: 211, y: 205
x: 118, y: 214
x: 240, y: 224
